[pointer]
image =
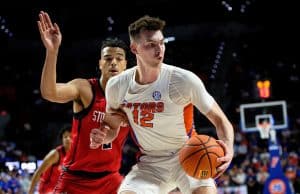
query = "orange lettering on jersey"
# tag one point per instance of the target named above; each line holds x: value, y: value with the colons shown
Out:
x: 136, y: 105
x: 160, y: 107
x: 152, y: 107
x: 129, y: 105
x: 146, y: 118
x: 144, y: 106
x: 143, y: 113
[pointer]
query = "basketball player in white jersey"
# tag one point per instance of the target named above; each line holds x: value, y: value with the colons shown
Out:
x: 155, y: 97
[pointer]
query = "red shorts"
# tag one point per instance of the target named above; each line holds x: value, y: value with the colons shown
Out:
x: 73, y: 184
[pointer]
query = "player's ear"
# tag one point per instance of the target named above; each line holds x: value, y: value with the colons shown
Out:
x: 133, y: 48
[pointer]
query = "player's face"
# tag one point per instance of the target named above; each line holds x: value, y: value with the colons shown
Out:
x: 66, y: 139
x: 150, y: 47
x: 112, y: 62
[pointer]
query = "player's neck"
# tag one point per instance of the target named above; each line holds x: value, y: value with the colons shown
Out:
x: 146, y: 74
x: 67, y: 148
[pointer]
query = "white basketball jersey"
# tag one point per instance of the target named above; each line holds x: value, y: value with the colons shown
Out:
x: 158, y: 123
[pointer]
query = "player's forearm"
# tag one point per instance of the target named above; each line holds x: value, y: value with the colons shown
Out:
x: 111, y: 135
x: 114, y: 120
x: 225, y: 132
x: 48, y: 78
x: 223, y: 126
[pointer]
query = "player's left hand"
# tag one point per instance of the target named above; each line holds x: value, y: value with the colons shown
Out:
x: 97, y: 136
x: 226, y: 159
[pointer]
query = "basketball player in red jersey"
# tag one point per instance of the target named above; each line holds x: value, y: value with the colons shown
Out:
x: 89, y: 167
x: 49, y: 171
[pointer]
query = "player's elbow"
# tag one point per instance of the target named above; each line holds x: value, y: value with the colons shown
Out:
x: 48, y: 95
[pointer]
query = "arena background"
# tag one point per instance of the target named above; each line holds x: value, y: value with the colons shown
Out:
x: 229, y: 44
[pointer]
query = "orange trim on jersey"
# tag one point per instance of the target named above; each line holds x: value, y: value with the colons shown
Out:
x: 188, y: 114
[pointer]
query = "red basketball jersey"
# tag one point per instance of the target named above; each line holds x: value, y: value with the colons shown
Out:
x: 49, y: 177
x: 83, y: 158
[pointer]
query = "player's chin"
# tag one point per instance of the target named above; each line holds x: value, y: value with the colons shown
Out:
x: 114, y: 73
x: 156, y: 63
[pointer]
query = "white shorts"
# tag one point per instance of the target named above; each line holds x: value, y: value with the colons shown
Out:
x: 159, y: 175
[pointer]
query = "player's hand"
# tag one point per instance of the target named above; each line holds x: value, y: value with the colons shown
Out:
x: 97, y: 136
x: 226, y: 159
x: 50, y: 33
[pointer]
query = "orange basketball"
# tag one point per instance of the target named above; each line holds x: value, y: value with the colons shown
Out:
x: 198, y: 157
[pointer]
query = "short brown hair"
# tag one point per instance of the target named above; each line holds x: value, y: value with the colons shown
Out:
x: 145, y: 23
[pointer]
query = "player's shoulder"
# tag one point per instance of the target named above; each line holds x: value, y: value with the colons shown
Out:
x: 177, y: 72
x: 175, y: 69
x: 59, y: 148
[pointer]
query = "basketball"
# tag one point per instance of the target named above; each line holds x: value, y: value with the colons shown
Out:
x: 198, y: 156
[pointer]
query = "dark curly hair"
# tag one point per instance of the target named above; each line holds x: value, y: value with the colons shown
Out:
x: 114, y: 42
x: 64, y: 128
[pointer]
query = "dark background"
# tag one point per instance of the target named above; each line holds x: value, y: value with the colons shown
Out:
x: 261, y: 41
